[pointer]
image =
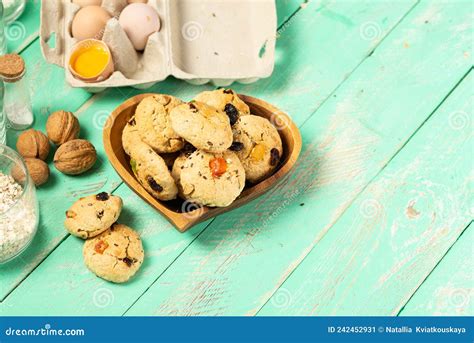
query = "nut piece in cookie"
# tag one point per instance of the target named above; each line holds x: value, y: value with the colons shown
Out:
x: 211, y: 179
x: 152, y: 172
x: 225, y: 100
x: 203, y: 126
x: 115, y: 255
x: 258, y: 145
x: 153, y: 123
x: 92, y: 215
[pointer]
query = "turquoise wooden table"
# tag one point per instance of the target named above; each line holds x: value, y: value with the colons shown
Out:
x: 375, y: 219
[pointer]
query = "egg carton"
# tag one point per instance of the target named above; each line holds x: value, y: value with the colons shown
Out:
x: 201, y: 41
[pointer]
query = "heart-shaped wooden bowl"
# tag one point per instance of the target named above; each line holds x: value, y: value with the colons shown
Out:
x: 183, y: 215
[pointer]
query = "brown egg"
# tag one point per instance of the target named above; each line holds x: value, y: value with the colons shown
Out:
x: 137, y: 1
x: 84, y: 3
x: 90, y: 22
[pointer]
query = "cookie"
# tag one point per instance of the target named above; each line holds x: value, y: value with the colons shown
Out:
x: 115, y: 255
x: 130, y: 136
x: 153, y: 123
x: 227, y: 101
x: 258, y: 145
x: 92, y: 215
x: 203, y: 126
x: 211, y: 179
x: 152, y: 172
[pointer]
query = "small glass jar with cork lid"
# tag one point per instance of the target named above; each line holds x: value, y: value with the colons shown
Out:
x: 17, y: 101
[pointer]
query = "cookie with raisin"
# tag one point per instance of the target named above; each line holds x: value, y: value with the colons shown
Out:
x: 258, y: 145
x: 227, y: 101
x: 210, y: 179
x: 92, y: 215
x: 115, y: 255
x: 203, y: 126
x: 152, y: 118
x: 152, y: 172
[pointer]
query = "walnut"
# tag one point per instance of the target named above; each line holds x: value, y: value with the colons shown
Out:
x: 33, y: 144
x: 38, y: 169
x: 62, y: 126
x: 75, y: 157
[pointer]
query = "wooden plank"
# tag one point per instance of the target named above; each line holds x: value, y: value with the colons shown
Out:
x: 448, y: 290
x: 387, y: 15
x: 396, y: 231
x: 243, y: 257
x: 25, y: 29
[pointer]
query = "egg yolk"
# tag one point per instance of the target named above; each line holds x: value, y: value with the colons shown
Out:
x: 91, y: 61
x: 218, y: 166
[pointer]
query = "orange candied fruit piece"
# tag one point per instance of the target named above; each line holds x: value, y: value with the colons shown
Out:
x: 218, y: 166
x: 258, y: 152
x: 100, y: 247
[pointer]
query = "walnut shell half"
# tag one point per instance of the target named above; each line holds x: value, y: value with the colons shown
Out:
x: 62, y: 127
x: 75, y: 157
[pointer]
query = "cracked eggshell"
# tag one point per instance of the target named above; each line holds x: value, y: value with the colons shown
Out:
x: 139, y: 21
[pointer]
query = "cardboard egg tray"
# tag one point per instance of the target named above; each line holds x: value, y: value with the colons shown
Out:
x: 219, y: 41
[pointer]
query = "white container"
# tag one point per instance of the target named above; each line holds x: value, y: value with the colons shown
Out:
x: 221, y: 41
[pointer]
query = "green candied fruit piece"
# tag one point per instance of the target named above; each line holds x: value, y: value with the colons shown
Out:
x: 133, y: 164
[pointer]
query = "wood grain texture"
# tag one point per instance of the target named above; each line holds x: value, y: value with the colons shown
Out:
x: 386, y: 15
x: 242, y: 258
x: 448, y: 290
x: 396, y: 231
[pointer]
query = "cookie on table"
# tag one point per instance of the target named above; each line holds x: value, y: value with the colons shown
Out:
x: 225, y: 100
x: 92, y: 215
x: 258, y: 145
x: 203, y: 126
x: 115, y: 255
x: 152, y: 172
x: 130, y: 136
x: 153, y: 123
x: 211, y: 179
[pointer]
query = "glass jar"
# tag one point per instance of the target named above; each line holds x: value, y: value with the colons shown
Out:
x: 19, y: 213
x: 3, y: 117
x: 17, y: 102
x: 12, y: 9
x: 3, y: 40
